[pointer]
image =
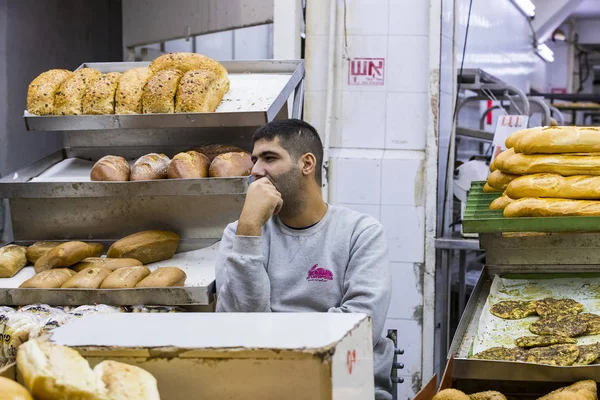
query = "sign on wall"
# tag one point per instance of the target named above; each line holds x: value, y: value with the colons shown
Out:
x: 366, y: 71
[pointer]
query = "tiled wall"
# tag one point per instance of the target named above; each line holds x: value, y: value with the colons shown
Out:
x: 378, y: 140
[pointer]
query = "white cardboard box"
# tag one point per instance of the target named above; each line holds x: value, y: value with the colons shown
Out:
x: 293, y: 356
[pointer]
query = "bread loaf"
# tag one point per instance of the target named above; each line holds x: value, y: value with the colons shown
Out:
x: 69, y: 98
x: 12, y: 260
x: 147, y: 246
x: 566, y: 165
x: 164, y: 277
x: 38, y: 249
x: 108, y: 263
x: 126, y: 382
x: 99, y: 98
x: 190, y: 164
x: 89, y: 278
x: 231, y: 164
x: 500, y: 180
x: 501, y: 202
x: 126, y: 277
x: 11, y: 390
x: 159, y: 92
x: 151, y: 166
x: 213, y: 150
x: 110, y: 168
x: 493, y: 166
x: 52, y: 278
x: 185, y: 62
x: 514, y: 138
x: 199, y: 91
x: 42, y: 91
x: 577, y: 187
x: 560, y: 139
x: 67, y: 254
x: 502, y: 157
x: 540, y: 207
x: 128, y: 99
x: 488, y: 189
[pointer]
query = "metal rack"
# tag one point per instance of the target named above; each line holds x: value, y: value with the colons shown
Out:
x: 51, y: 200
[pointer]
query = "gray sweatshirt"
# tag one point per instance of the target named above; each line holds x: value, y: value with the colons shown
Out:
x: 338, y: 265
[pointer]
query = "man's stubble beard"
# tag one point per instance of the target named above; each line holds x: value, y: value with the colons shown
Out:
x: 291, y: 186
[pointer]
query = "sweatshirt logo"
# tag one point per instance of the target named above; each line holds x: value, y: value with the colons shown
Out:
x: 319, y: 274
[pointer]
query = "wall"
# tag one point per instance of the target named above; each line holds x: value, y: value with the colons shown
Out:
x: 379, y: 139
x: 37, y: 36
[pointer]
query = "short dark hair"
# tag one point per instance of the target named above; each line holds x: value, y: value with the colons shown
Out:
x: 296, y: 137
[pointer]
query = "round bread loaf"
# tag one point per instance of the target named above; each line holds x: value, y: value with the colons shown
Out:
x: 42, y: 91
x: 213, y: 150
x: 151, y: 166
x: 128, y: 99
x: 190, y: 164
x: 69, y: 98
x: 231, y: 164
x: 110, y: 168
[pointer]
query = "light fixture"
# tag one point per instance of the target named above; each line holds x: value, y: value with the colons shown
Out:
x: 526, y: 6
x: 544, y: 51
x: 559, y: 36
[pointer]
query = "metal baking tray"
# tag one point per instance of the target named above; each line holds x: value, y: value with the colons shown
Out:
x: 72, y: 181
x: 465, y: 368
x: 259, y: 90
x: 199, y: 290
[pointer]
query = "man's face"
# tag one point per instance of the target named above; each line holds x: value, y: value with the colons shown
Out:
x: 275, y: 163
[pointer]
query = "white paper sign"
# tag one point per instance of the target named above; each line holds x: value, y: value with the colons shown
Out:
x: 507, y: 124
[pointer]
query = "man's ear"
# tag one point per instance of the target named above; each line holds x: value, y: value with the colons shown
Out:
x: 309, y: 163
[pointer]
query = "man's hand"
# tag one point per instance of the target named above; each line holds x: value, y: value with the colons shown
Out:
x: 262, y: 201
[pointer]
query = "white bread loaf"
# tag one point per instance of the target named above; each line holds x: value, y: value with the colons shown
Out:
x: 566, y: 165
x: 577, y: 187
x: 560, y: 139
x: 110, y: 168
x: 501, y: 202
x: 52, y: 278
x: 89, y: 278
x: 540, y: 207
x: 164, y: 277
x: 126, y: 382
x: 500, y: 180
x: 12, y: 259
x: 105, y: 262
x: 126, y: 277
x: 189, y: 164
x: 230, y: 165
x: 38, y: 249
x: 514, y: 138
x: 146, y: 246
x: 67, y: 254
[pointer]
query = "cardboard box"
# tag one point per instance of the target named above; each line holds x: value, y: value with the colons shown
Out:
x: 312, y: 356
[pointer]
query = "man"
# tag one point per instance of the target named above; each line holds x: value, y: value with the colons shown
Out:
x: 292, y: 252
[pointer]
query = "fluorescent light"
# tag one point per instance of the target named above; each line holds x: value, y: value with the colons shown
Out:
x: 545, y: 52
x: 526, y: 7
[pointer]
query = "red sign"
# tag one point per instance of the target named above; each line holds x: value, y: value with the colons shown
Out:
x: 350, y: 360
x: 366, y: 71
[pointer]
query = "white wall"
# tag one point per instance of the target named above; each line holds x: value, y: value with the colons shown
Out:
x: 379, y: 140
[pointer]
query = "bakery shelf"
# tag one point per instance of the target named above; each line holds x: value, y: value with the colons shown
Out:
x: 478, y: 218
x: 259, y: 90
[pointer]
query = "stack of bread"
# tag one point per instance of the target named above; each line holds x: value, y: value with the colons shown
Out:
x: 549, y: 171
x: 214, y: 161
x: 173, y: 83
x: 79, y: 265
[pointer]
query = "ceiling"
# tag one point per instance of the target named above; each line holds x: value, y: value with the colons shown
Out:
x: 587, y: 9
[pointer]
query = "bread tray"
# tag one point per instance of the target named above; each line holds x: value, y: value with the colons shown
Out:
x: 259, y: 90
x: 466, y: 368
x: 478, y: 218
x: 199, y: 288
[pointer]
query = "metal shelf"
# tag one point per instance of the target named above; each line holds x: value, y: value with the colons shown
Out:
x: 475, y: 134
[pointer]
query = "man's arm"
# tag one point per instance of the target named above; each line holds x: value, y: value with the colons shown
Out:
x: 242, y: 281
x: 368, y: 281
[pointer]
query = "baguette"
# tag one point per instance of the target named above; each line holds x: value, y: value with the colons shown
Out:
x: 128, y: 99
x: 67, y: 254
x: 126, y: 277
x: 108, y: 263
x: 99, y: 96
x: 231, y: 164
x: 500, y: 180
x: 147, y: 246
x: 159, y: 92
x: 12, y: 259
x: 164, y: 277
x: 151, y: 166
x: 69, y: 98
x: 110, y: 168
x: 502, y: 157
x: 488, y: 189
x: 41, y: 94
x: 539, y: 207
x: 493, y: 166
x: 560, y: 139
x: 566, y: 165
x: 501, y: 202
x: 38, y: 249
x: 190, y: 164
x: 514, y: 138
x: 52, y: 278
x: 577, y: 187
x: 89, y: 278
x: 199, y: 91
